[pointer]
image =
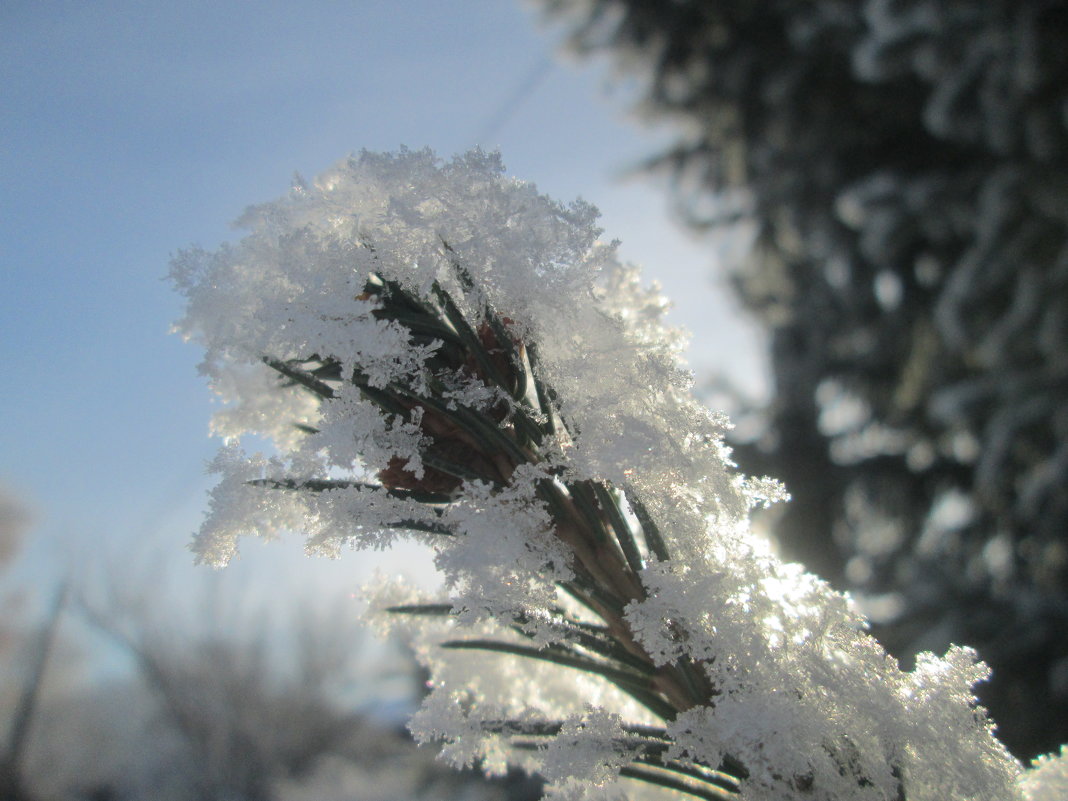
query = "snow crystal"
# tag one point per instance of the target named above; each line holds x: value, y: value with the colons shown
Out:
x: 342, y: 328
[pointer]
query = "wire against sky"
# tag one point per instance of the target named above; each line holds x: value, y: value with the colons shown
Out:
x: 530, y: 83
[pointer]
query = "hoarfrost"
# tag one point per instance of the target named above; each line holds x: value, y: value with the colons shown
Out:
x: 459, y: 360
x: 1048, y: 780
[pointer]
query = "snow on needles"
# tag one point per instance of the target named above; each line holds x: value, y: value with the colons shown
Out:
x: 435, y: 350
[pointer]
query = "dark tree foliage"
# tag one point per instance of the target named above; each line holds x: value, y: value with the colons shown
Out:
x: 904, y: 165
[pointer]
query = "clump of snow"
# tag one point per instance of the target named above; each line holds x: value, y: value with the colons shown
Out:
x: 798, y: 693
x: 1048, y: 778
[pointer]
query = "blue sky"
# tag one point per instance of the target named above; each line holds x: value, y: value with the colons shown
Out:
x: 129, y: 130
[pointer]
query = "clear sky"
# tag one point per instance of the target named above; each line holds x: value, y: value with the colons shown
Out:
x: 132, y: 128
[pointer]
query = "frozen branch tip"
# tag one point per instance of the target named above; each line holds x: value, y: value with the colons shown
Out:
x: 436, y: 351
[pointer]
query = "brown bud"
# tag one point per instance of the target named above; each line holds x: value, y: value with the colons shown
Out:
x: 397, y: 476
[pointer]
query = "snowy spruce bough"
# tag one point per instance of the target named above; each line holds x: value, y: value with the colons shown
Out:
x: 436, y: 351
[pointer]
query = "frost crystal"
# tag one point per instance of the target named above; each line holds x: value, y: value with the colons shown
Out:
x: 436, y: 350
x: 1048, y: 781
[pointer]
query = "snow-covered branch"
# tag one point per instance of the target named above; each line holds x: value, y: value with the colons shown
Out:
x: 439, y: 352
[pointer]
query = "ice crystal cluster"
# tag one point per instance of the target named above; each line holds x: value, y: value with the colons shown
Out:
x: 436, y: 351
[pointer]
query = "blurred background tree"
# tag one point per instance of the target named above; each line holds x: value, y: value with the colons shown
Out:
x: 205, y: 694
x: 901, y: 167
x: 265, y: 711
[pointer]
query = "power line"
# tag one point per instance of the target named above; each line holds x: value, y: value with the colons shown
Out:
x: 515, y: 101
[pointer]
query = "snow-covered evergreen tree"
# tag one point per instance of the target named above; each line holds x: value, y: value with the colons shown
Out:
x: 437, y: 351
